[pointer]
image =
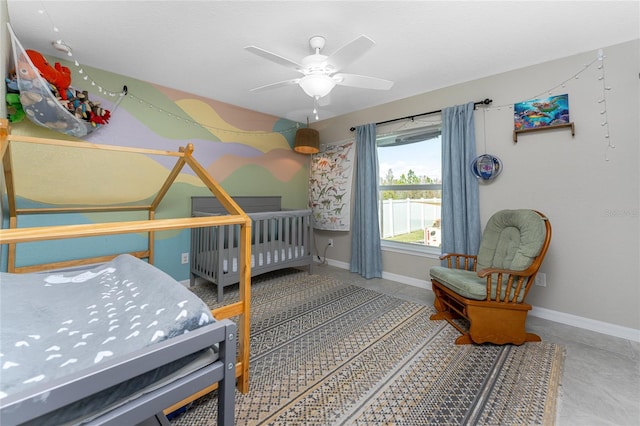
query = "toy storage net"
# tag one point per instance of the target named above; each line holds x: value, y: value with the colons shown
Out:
x: 39, y: 102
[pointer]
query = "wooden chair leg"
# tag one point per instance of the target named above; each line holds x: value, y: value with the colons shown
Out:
x: 465, y: 339
x: 443, y: 315
x: 531, y: 337
x: 440, y: 306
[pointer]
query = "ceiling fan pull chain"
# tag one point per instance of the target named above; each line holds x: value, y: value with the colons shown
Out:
x: 316, y: 106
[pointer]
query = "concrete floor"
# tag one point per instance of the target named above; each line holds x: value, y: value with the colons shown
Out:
x: 600, y: 382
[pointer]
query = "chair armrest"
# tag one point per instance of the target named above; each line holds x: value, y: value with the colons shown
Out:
x: 488, y: 271
x: 513, y: 285
x: 460, y: 261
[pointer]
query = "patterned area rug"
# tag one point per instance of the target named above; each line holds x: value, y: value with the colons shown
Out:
x: 325, y: 352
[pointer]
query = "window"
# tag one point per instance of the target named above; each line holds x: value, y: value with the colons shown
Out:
x: 410, y: 188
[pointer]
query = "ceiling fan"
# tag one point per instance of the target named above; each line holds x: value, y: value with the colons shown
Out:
x: 320, y: 72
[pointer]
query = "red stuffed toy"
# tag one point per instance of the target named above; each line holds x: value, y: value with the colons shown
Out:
x: 59, y: 76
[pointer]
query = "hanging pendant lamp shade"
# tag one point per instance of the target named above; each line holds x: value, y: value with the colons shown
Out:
x: 307, y: 141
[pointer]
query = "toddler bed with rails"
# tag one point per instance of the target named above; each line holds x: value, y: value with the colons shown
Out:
x: 279, y: 239
x: 113, y: 339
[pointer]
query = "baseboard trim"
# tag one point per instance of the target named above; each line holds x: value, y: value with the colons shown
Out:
x: 337, y: 264
x: 548, y: 314
x: 587, y: 323
x: 407, y: 280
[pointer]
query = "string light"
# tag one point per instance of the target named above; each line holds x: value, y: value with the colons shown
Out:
x: 121, y: 94
x: 550, y: 91
x: 60, y: 45
x: 43, y: 11
x: 603, y: 99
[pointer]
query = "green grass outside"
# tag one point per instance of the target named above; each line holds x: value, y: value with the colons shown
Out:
x: 412, y: 237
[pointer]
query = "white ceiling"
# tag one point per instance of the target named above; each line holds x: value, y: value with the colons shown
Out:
x: 198, y: 46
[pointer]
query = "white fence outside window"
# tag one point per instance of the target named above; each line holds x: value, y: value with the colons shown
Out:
x: 400, y: 217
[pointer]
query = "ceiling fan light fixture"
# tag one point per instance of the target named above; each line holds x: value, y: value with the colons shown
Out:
x: 317, y: 85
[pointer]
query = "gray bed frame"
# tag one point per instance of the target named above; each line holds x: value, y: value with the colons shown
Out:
x: 280, y: 239
x: 148, y: 408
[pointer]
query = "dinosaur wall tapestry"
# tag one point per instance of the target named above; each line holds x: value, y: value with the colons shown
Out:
x: 330, y: 187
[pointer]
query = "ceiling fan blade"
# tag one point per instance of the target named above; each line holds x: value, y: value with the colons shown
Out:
x: 276, y: 85
x: 350, y: 52
x: 280, y: 60
x: 362, y: 81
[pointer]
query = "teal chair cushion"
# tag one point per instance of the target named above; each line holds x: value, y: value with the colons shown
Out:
x: 511, y: 240
x: 467, y: 283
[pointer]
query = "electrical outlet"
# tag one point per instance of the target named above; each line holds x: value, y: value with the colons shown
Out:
x: 185, y: 258
x: 330, y: 243
x: 541, y: 279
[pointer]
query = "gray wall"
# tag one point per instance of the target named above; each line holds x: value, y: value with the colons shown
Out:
x: 592, y: 265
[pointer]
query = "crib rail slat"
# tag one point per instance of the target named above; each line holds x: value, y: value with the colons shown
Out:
x: 280, y: 239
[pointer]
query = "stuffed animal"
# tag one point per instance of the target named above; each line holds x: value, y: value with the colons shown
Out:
x: 78, y: 104
x: 24, y: 70
x: 12, y: 83
x: 38, y: 104
x: 57, y: 75
x: 99, y: 115
x: 42, y: 110
x: 14, y: 108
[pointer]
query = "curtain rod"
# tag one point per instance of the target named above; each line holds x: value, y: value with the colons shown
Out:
x: 484, y: 102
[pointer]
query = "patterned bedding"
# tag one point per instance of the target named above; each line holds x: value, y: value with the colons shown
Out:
x: 53, y: 325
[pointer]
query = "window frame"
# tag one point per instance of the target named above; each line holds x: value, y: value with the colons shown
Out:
x: 403, y: 247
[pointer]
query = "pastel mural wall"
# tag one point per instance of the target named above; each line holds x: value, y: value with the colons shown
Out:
x: 247, y: 152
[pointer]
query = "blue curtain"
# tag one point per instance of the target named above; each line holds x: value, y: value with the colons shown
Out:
x: 460, y: 206
x: 366, y: 255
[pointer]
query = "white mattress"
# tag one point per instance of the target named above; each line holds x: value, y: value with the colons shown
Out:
x: 265, y: 257
x: 259, y: 257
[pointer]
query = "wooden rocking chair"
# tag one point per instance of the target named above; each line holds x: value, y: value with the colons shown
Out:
x: 489, y: 289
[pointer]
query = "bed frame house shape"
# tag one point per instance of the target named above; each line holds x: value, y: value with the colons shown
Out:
x: 14, y: 235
